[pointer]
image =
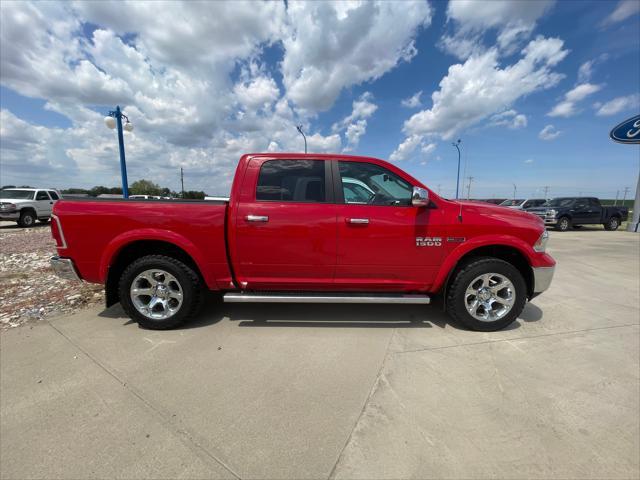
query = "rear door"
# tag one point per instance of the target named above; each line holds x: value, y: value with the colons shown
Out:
x: 285, y: 235
x: 384, y: 243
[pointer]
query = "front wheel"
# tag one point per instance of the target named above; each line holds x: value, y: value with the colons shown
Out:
x: 612, y: 224
x: 487, y: 295
x: 564, y: 224
x: 27, y: 219
x: 160, y: 292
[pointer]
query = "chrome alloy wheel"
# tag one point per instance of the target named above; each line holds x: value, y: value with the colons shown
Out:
x: 489, y: 297
x: 156, y: 294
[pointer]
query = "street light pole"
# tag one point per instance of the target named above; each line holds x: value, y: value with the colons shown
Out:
x: 111, y: 123
x: 182, y: 181
x: 456, y: 144
x: 299, y: 128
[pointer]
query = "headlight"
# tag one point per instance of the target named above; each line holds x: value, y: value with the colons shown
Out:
x: 541, y: 244
x: 7, y: 207
x: 552, y: 213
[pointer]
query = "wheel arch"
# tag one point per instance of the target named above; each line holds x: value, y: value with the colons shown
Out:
x: 509, y: 253
x: 135, y: 249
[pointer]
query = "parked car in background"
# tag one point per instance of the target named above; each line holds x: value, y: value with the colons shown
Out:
x: 145, y: 197
x: 307, y: 228
x: 26, y: 205
x: 494, y: 201
x: 567, y: 212
x: 524, y: 203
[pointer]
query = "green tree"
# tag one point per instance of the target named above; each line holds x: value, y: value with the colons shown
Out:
x: 145, y: 187
x: 192, y: 194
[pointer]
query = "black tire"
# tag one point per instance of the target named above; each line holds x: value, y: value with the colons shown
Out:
x: 564, y: 224
x: 44, y: 220
x: 27, y: 218
x: 456, y: 305
x: 612, y: 224
x: 576, y: 227
x: 189, y: 282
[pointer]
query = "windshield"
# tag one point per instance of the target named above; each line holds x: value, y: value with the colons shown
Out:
x: 559, y: 202
x: 512, y: 203
x: 18, y: 194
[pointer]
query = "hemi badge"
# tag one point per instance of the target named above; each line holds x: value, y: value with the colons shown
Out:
x: 456, y: 239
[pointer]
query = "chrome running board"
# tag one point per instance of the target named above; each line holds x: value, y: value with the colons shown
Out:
x: 276, y: 297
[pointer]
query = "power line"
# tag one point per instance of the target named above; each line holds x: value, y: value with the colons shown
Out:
x: 469, y: 187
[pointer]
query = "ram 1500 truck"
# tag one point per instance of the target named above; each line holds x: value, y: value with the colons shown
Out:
x: 567, y: 212
x: 307, y: 228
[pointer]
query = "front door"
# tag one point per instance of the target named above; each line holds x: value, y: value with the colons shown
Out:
x: 580, y: 211
x: 285, y: 226
x: 384, y: 243
x: 44, y: 204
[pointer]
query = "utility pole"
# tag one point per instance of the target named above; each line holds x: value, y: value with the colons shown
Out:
x: 515, y: 189
x: 469, y: 187
x: 439, y: 185
x: 182, y: 180
x: 546, y: 191
x: 617, y: 194
x: 299, y: 128
x: 626, y: 190
x: 457, y: 145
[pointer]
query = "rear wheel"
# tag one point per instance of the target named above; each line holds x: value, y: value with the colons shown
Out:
x: 612, y: 224
x: 486, y: 295
x: 27, y: 219
x: 564, y: 224
x: 160, y: 292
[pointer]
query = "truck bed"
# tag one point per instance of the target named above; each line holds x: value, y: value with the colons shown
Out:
x: 97, y: 230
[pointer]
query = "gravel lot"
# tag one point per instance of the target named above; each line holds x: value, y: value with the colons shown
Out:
x: 29, y: 290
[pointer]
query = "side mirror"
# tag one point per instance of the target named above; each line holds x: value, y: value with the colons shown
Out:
x: 420, y: 197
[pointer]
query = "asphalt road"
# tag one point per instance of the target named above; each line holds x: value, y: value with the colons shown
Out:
x: 353, y: 391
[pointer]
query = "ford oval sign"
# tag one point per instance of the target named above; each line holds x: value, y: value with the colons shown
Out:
x: 628, y: 131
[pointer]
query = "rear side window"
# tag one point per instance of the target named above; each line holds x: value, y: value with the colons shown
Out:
x: 292, y: 181
x: 42, y: 195
x: 54, y: 195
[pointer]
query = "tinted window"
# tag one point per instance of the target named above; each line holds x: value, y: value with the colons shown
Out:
x: 593, y: 202
x: 42, y: 195
x: 17, y: 194
x: 366, y: 183
x: 54, y: 195
x: 292, y: 181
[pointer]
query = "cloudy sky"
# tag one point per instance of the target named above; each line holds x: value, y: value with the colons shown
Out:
x: 531, y: 87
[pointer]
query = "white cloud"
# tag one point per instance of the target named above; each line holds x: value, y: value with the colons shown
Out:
x: 331, y: 46
x: 529, y: 161
x: 567, y: 107
x: 192, y: 78
x: 413, y: 101
x: 406, y: 148
x: 618, y: 104
x: 355, y: 124
x: 549, y: 133
x: 624, y: 10
x: 510, y: 119
x: 514, y: 21
x: 474, y: 90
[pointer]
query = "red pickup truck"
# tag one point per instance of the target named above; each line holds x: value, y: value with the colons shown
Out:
x: 307, y: 228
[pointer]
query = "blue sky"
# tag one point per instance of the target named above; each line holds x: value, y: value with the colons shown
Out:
x: 531, y: 88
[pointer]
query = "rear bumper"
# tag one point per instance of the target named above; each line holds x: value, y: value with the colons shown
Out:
x: 542, y: 277
x: 64, y: 268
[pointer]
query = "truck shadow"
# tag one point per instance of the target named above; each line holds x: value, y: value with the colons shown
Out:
x: 285, y: 315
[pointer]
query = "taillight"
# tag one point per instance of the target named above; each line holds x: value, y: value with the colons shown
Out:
x: 56, y: 232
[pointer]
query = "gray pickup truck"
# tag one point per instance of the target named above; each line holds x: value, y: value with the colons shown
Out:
x: 568, y: 212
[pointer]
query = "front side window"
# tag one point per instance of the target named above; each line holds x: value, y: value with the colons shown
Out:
x: 292, y: 181
x: 42, y: 195
x: 370, y: 184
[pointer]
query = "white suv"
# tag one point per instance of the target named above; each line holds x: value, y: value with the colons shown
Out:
x: 26, y: 205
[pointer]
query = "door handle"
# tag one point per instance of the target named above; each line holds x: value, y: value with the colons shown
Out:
x: 256, y: 218
x: 358, y: 221
x: 50, y: 203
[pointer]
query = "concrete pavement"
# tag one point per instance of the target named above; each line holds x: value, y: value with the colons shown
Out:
x: 342, y: 391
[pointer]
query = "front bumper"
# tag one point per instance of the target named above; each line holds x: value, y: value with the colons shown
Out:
x: 542, y: 277
x: 64, y: 268
x: 9, y: 215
